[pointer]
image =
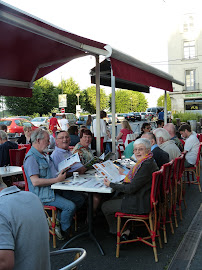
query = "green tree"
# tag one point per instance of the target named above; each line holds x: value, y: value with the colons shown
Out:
x: 44, y: 99
x: 161, y: 101
x: 127, y: 101
x: 88, y: 99
x: 70, y: 88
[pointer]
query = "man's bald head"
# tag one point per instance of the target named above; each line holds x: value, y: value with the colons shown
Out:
x: 171, y: 129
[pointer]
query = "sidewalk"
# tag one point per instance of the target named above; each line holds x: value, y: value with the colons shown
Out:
x: 138, y: 255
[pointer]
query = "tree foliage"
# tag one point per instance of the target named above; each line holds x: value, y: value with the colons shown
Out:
x: 161, y: 101
x: 88, y: 100
x: 44, y: 99
x: 127, y: 101
x: 70, y: 88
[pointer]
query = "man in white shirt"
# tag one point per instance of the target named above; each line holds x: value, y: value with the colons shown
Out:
x: 64, y: 123
x: 191, y: 145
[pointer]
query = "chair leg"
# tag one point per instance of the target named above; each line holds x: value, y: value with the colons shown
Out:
x: 199, y: 184
x: 118, y: 236
x: 53, y: 228
x: 153, y: 239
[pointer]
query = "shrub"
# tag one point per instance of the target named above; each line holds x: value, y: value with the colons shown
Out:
x: 184, y: 117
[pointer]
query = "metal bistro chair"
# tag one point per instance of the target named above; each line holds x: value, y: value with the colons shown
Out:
x: 195, y: 170
x: 121, y: 149
x: 149, y: 220
x: 80, y: 251
x: 52, y: 220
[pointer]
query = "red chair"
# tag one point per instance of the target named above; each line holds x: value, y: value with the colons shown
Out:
x: 199, y: 136
x: 166, y: 201
x: 121, y: 149
x: 17, y: 156
x: 52, y: 220
x: 129, y: 141
x: 195, y: 170
x: 101, y: 144
x: 28, y: 146
x: 149, y: 220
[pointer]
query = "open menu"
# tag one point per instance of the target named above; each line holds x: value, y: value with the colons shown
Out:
x: 96, y: 159
x: 108, y: 170
x: 68, y: 162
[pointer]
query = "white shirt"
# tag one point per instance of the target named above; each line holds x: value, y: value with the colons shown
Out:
x: 103, y: 129
x: 191, y: 146
x: 63, y: 123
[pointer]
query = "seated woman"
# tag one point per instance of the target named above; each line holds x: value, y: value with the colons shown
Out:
x: 126, y: 129
x: 136, y: 189
x: 146, y: 127
x: 82, y: 147
x: 26, y: 137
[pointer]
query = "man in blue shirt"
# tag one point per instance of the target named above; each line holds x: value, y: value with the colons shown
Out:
x: 41, y: 174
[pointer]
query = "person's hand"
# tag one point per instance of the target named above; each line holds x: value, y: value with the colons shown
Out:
x: 106, y: 182
x: 62, y: 176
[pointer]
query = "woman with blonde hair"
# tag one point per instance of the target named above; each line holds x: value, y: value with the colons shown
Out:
x: 126, y: 129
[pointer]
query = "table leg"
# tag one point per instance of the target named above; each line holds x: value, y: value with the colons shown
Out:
x: 90, y: 226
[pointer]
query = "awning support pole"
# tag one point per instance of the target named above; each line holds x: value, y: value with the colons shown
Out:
x: 113, y: 113
x: 165, y: 108
x: 97, y: 75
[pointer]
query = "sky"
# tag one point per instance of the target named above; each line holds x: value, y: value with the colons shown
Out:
x: 140, y: 28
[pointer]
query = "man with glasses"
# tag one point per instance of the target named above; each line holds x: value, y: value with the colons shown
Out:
x: 62, y: 152
x: 41, y: 173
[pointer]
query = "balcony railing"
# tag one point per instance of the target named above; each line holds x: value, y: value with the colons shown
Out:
x: 193, y: 87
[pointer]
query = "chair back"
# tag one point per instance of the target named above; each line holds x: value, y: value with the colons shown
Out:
x: 199, y: 136
x: 25, y: 178
x: 28, y: 146
x: 176, y: 170
x: 167, y: 171
x: 131, y: 137
x: 17, y: 156
x: 198, y: 155
x: 129, y: 141
x: 121, y: 148
x: 182, y: 160
x: 155, y: 189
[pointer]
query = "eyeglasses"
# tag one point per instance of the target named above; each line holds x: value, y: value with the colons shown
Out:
x: 139, y: 149
x: 62, y: 138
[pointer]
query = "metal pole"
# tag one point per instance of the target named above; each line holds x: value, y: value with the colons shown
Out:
x: 113, y: 113
x: 165, y: 108
x: 97, y: 75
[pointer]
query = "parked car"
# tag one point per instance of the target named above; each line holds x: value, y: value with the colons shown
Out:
x: 143, y: 115
x: 130, y: 117
x: 40, y: 122
x: 116, y: 119
x: 15, y: 126
x: 25, y: 117
x: 138, y: 116
x: 71, y: 117
x: 82, y: 120
x: 121, y: 116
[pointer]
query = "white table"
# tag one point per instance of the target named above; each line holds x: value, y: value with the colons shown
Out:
x: 13, y: 170
x: 87, y: 182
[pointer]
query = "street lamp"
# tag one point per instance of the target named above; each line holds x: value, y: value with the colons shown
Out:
x: 131, y: 103
x: 78, y: 95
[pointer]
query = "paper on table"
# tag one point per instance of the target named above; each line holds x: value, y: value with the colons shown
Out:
x: 68, y: 162
x: 108, y: 170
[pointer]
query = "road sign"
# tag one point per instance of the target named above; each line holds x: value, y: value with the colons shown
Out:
x: 62, y: 110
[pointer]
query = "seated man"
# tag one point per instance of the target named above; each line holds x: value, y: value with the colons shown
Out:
x: 160, y: 123
x: 41, y: 174
x: 5, y: 145
x: 171, y: 130
x: 165, y: 143
x: 73, y: 133
x: 23, y: 245
x: 191, y: 145
x: 161, y: 157
x: 62, y: 152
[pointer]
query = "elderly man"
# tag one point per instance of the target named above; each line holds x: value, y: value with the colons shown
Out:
x: 165, y: 143
x: 41, y: 174
x: 62, y: 152
x: 171, y: 130
x: 161, y: 157
x: 191, y: 145
x: 23, y: 245
x: 5, y: 145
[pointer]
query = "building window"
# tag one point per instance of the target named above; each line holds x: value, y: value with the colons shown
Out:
x: 193, y: 105
x: 189, y: 49
x: 188, y: 25
x: 190, y: 79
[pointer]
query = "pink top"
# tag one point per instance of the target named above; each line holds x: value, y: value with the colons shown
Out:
x: 125, y: 132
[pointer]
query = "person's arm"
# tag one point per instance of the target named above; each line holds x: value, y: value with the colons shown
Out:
x: 119, y: 136
x: 81, y: 170
x: 7, y: 259
x: 40, y: 182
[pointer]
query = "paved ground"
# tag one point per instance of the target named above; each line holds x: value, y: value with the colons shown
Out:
x: 134, y: 256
